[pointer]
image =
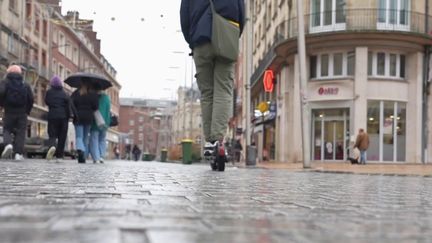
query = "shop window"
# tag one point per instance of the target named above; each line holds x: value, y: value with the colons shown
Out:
x: 387, y: 131
x: 387, y: 65
x: 332, y: 65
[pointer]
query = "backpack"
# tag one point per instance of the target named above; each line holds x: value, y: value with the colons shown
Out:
x: 16, y: 94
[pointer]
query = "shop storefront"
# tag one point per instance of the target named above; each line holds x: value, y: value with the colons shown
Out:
x: 330, y: 134
x: 112, y: 139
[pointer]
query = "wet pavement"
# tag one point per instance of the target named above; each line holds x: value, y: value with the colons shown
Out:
x: 161, y: 202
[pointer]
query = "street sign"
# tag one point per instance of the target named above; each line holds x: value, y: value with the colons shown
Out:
x: 268, y: 81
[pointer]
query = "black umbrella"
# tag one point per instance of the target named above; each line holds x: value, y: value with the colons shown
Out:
x: 98, y: 81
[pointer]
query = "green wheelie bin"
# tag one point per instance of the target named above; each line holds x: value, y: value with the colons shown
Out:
x: 187, y: 151
x: 164, y: 155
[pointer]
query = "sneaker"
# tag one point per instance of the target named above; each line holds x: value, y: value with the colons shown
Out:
x: 59, y: 160
x: 7, y: 151
x: 210, y: 148
x: 101, y: 160
x: 50, y: 153
x: 18, y: 157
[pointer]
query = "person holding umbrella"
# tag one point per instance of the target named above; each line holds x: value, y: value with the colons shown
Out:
x: 58, y: 103
x: 85, y: 103
x: 98, y: 129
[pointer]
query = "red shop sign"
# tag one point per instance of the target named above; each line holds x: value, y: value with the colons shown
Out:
x: 328, y: 91
x: 268, y: 81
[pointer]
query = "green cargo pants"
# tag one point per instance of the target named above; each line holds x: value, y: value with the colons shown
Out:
x: 215, y: 78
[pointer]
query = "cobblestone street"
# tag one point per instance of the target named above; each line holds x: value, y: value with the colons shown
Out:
x: 161, y: 202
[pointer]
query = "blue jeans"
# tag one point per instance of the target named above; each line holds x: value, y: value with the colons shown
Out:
x: 98, y: 144
x: 362, y: 156
x: 82, y: 137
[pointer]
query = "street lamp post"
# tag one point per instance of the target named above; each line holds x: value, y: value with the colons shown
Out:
x: 249, y: 64
x: 301, y: 49
x: 184, y: 92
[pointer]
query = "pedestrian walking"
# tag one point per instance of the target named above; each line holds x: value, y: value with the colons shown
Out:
x: 98, y: 131
x: 214, y: 71
x: 58, y: 102
x: 127, y: 152
x: 362, y: 143
x: 136, y: 152
x: 85, y: 103
x: 116, y: 152
x: 16, y: 97
x: 238, y: 148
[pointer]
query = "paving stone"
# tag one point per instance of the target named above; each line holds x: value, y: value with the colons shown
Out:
x: 123, y: 201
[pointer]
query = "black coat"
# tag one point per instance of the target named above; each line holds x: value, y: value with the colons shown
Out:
x: 196, y: 18
x: 84, y: 106
x: 58, y: 103
x: 29, y: 99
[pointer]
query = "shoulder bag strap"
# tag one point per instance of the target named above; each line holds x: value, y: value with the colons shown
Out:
x: 212, y: 6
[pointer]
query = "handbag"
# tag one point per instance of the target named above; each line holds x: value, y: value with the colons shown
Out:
x: 114, y: 120
x: 225, y: 36
x: 100, y: 122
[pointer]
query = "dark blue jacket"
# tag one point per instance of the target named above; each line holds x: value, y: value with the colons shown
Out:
x: 58, y: 103
x: 196, y: 18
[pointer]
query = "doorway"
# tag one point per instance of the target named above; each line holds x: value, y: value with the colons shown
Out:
x: 330, y: 134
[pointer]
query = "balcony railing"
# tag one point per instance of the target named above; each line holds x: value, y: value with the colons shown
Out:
x: 355, y: 20
x: 349, y: 20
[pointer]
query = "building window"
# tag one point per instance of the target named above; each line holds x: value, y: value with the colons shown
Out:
x: 28, y: 10
x: 36, y: 57
x: 44, y: 29
x: 44, y: 59
x: 388, y: 65
x: 393, y: 14
x: 351, y: 63
x: 332, y: 65
x: 37, y: 23
x: 141, y: 119
x: 327, y: 15
x: 61, y: 71
x: 75, y: 56
x: 13, y: 5
x: 54, y: 67
x: 12, y: 48
x: 62, y: 44
x: 386, y: 127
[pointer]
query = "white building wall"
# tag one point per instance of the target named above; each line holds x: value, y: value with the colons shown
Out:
x: 283, y: 115
x: 429, y: 125
x: 294, y: 123
x: 360, y: 90
x: 414, y: 108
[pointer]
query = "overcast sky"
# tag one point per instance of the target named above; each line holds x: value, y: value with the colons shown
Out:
x: 141, y: 39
